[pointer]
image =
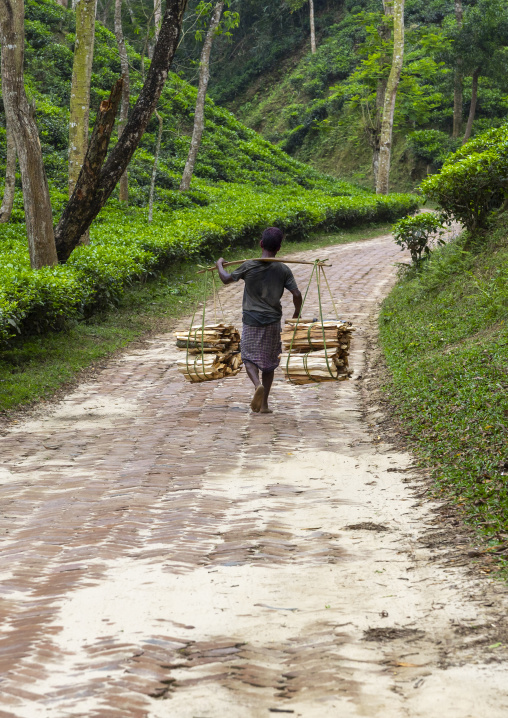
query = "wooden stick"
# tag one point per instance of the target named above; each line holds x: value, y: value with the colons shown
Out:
x: 263, y: 259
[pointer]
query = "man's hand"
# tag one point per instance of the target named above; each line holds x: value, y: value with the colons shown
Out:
x: 297, y: 301
x: 225, y: 277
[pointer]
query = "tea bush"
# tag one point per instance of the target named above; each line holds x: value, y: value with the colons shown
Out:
x: 124, y: 247
x: 473, y: 180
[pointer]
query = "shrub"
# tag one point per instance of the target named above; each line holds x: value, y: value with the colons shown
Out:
x: 473, y: 181
x: 431, y: 146
x: 417, y: 233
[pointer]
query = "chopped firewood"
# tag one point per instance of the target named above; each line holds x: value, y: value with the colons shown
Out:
x: 316, y: 352
x: 212, y: 352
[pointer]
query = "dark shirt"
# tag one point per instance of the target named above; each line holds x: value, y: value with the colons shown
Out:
x: 264, y: 286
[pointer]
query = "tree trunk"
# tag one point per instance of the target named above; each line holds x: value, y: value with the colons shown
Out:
x: 79, y: 109
x: 385, y: 144
x: 472, y: 106
x: 154, y: 168
x: 124, y: 111
x: 10, y: 178
x: 63, y: 3
x: 458, y: 81
x: 39, y: 220
x: 199, y: 115
x: 374, y: 127
x: 312, y: 28
x: 89, y: 197
x: 157, y: 17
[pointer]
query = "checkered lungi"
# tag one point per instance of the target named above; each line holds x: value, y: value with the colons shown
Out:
x: 262, y: 346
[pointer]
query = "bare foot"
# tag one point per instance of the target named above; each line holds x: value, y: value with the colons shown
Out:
x: 258, y: 399
x: 265, y: 410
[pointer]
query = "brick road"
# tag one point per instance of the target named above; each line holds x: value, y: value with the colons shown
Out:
x: 165, y: 552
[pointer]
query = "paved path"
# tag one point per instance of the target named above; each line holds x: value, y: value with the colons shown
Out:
x: 167, y: 553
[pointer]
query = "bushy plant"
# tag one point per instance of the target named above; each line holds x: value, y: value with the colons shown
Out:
x: 473, y: 181
x: 431, y: 146
x: 417, y: 234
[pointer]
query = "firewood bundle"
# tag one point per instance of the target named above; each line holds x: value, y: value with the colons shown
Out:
x: 212, y: 352
x: 305, y: 359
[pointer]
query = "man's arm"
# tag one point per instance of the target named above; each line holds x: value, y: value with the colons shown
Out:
x: 297, y: 301
x: 225, y: 277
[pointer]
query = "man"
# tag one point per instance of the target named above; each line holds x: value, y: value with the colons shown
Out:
x: 265, y: 283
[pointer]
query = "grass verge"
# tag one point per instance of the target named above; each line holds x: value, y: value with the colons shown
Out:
x: 444, y: 332
x: 35, y: 367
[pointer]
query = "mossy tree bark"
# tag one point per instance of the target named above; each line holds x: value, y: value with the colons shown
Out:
x: 385, y: 144
x: 39, y: 220
x: 124, y: 111
x: 458, y: 80
x: 375, y: 119
x: 95, y: 184
x: 157, y: 17
x: 151, y: 198
x: 472, y: 106
x: 154, y: 167
x: 199, y: 114
x: 79, y: 109
x: 10, y: 177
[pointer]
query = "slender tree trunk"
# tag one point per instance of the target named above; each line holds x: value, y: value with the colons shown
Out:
x: 39, y: 220
x: 374, y: 126
x: 131, y: 13
x: 312, y: 28
x: 157, y: 17
x: 472, y: 106
x: 154, y: 168
x: 10, y: 178
x: 124, y: 111
x: 458, y: 81
x: 95, y: 184
x: 385, y: 148
x: 157, y: 22
x: 199, y: 115
x: 79, y: 110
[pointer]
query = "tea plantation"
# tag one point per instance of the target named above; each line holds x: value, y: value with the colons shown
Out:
x: 242, y: 184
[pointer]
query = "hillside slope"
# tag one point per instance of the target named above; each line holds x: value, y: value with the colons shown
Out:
x: 314, y: 106
x: 242, y: 184
x: 445, y: 336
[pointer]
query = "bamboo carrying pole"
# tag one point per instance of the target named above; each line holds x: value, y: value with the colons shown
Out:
x: 264, y: 259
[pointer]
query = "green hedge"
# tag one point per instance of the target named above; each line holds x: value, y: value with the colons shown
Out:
x: 124, y: 247
x: 473, y: 181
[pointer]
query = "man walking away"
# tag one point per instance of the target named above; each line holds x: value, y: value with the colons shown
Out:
x: 265, y: 283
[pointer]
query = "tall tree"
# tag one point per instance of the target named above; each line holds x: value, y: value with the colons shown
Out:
x: 98, y: 179
x: 312, y: 27
x: 10, y: 177
x: 39, y: 220
x: 199, y: 114
x: 479, y: 43
x: 376, y: 119
x: 151, y: 198
x: 79, y: 109
x: 98, y: 176
x: 458, y: 79
x: 124, y: 111
x: 385, y: 145
x: 296, y: 5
